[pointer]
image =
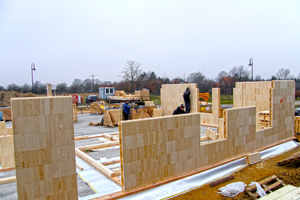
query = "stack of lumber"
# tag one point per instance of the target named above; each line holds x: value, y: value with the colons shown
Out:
x: 143, y: 95
x: 138, y: 113
x: 6, y: 112
x: 120, y: 93
x: 95, y: 108
x: 112, y: 117
x: 44, y: 148
x: 149, y: 103
x: 264, y: 119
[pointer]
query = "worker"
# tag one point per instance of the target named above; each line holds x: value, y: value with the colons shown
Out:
x: 126, y: 110
x: 186, y: 97
x: 179, y: 110
x: 1, y: 116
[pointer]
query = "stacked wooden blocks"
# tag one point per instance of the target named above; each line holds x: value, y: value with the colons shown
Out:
x: 6, y: 147
x: 172, y: 97
x: 157, y: 149
x: 44, y: 148
x: 264, y: 119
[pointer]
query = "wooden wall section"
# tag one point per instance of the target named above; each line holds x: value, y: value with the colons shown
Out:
x: 157, y: 149
x: 172, y: 97
x: 44, y: 148
x: 253, y: 94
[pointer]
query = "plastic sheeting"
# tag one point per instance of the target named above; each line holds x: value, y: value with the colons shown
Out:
x: 104, y: 186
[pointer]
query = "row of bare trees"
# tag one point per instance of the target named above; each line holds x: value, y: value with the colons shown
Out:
x: 133, y: 77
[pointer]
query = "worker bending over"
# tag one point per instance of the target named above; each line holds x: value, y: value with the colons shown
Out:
x: 186, y: 97
x: 126, y: 110
x: 179, y: 110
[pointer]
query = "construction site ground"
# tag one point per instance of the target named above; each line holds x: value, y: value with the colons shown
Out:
x: 290, y: 174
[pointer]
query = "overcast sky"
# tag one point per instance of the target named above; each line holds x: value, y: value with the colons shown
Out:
x: 69, y: 39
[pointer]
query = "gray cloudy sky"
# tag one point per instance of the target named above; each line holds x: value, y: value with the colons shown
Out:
x: 77, y: 38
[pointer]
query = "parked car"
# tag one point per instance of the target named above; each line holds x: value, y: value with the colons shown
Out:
x: 91, y: 98
x: 297, y: 111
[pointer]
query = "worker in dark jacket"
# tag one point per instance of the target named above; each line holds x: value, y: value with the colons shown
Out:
x: 186, y: 97
x: 179, y: 110
x: 126, y: 110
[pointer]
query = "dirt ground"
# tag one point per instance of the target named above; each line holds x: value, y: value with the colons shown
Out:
x: 289, y: 174
x: 5, y: 97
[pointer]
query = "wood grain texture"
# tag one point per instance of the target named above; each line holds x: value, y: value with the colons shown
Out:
x: 172, y: 97
x: 7, y: 151
x: 157, y: 149
x: 43, y: 134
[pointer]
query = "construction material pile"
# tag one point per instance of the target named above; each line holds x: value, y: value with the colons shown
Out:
x: 142, y: 95
x: 6, y: 96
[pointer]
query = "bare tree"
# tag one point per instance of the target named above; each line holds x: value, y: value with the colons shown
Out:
x: 131, y: 72
x: 283, y: 74
x: 199, y: 78
x: 258, y: 78
x: 220, y: 75
x: 240, y: 72
x: 76, y: 86
x: 62, y: 88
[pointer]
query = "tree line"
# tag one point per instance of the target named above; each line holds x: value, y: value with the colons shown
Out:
x: 133, y: 78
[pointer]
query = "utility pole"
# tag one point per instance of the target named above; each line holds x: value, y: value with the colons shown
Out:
x: 32, y: 69
x: 93, y: 81
x: 251, y: 65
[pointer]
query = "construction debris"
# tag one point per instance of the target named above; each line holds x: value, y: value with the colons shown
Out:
x: 291, y: 159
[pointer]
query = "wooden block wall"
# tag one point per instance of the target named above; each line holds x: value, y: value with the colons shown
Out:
x: 207, y: 118
x: 44, y: 148
x: 7, y: 151
x: 116, y: 115
x: 253, y: 94
x: 172, y: 97
x: 49, y: 90
x: 2, y: 127
x: 216, y: 104
x: 297, y: 124
x: 158, y: 149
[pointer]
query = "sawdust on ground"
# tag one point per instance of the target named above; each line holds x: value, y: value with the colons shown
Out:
x: 289, y: 174
x: 5, y: 97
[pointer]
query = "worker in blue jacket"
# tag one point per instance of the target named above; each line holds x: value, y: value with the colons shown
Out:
x: 126, y: 110
x: 1, y: 116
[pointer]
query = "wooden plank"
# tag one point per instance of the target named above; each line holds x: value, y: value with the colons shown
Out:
x: 211, y: 134
x: 98, y: 146
x: 216, y: 104
x: 222, y: 180
x: 111, y: 137
x: 7, y: 180
x: 49, y: 90
x: 43, y: 134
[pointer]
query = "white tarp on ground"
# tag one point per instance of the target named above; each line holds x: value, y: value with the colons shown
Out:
x: 104, y: 186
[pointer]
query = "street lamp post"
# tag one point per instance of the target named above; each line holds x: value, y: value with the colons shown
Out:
x: 32, y: 69
x: 251, y: 65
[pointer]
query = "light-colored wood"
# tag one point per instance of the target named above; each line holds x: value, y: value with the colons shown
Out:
x: 207, y: 118
x: 157, y: 149
x: 2, y: 127
x: 95, y: 108
x: 117, y: 171
x: 139, y: 113
x: 253, y: 158
x: 221, y: 128
x: 43, y: 134
x: 149, y: 103
x: 6, y: 113
x: 211, y: 134
x: 216, y: 104
x: 111, y: 137
x: 49, y: 90
x: 106, y: 171
x: 7, y: 180
x: 75, y: 116
x: 79, y: 167
x: 172, y: 97
x: 98, y: 146
x: 157, y: 112
x: 86, y: 137
x: 7, y: 151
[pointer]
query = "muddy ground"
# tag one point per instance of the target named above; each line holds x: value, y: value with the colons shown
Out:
x: 289, y: 174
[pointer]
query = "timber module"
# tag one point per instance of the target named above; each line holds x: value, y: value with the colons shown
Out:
x: 154, y: 150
